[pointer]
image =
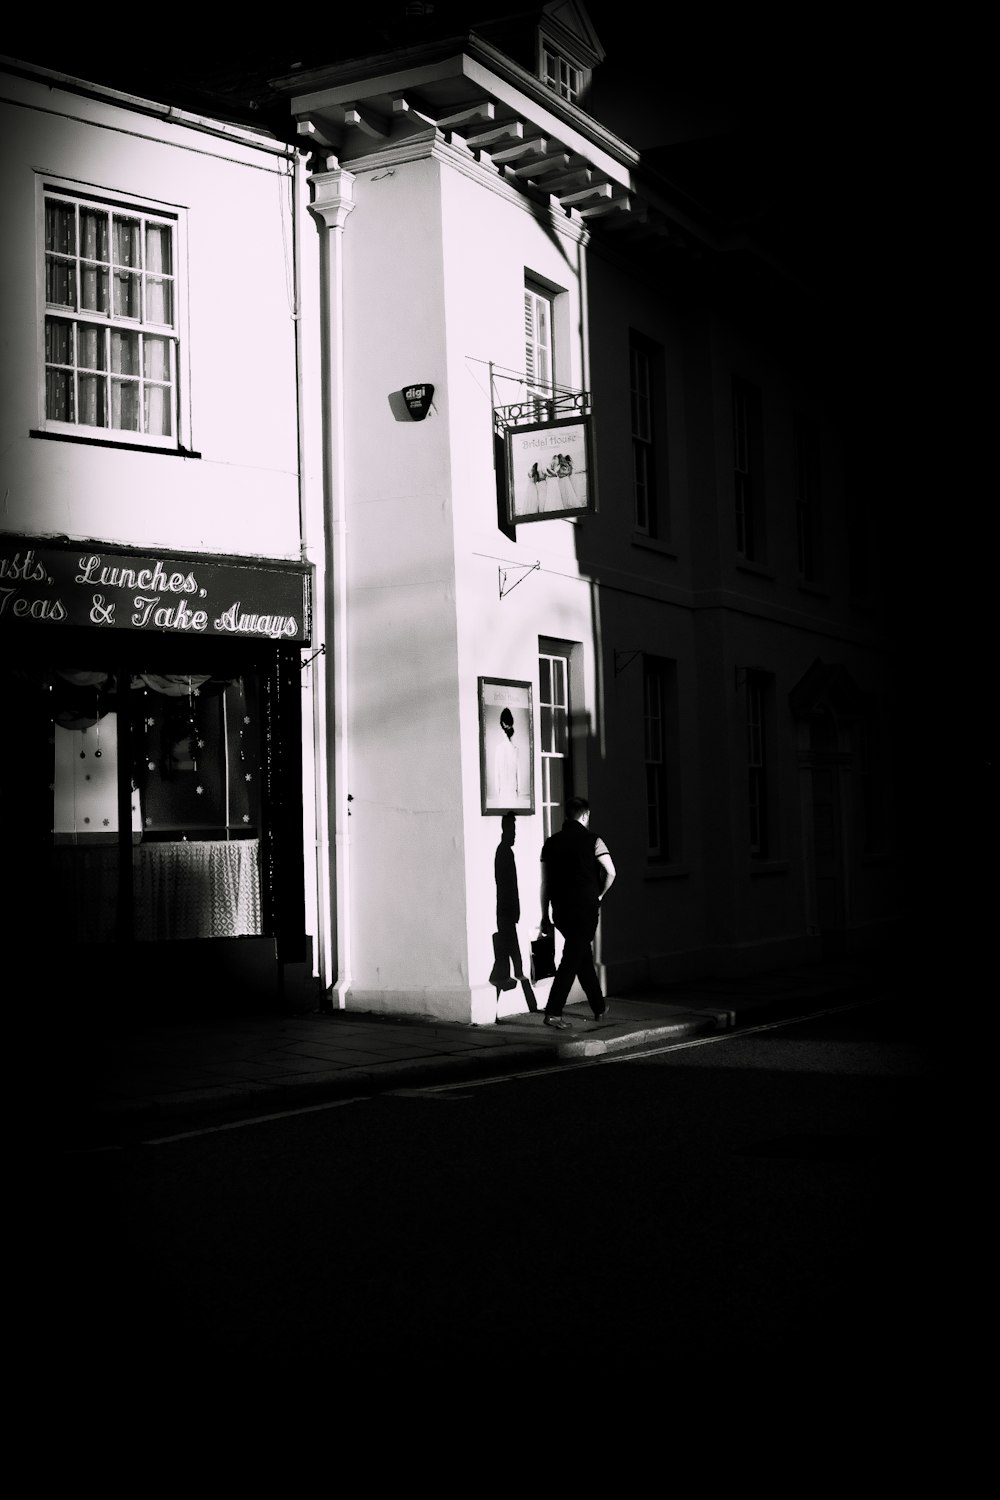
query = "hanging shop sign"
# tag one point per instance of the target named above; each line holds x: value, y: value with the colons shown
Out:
x: 549, y: 470
x: 164, y: 592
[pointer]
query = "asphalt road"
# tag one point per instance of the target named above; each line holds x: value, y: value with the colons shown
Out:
x: 744, y: 1207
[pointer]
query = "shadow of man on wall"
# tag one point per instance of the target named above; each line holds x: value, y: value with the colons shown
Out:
x: 506, y: 947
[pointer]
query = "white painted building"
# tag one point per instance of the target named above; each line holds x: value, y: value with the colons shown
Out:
x: 723, y: 677
x: 157, y: 587
x: 456, y: 262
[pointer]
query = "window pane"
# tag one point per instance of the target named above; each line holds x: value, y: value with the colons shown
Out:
x: 559, y: 682
x: 157, y: 410
x: 125, y: 353
x: 93, y: 234
x: 60, y: 283
x: 93, y: 288
x: 640, y: 465
x: 93, y: 396
x: 557, y: 781
x: 538, y: 339
x: 59, y: 396
x: 58, y: 342
x: 156, y: 359
x: 126, y: 295
x: 158, y: 248
x: 159, y: 301
x: 90, y: 347
x: 125, y: 405
x: 544, y: 680
x: 652, y: 809
x: 127, y: 242
x: 60, y: 227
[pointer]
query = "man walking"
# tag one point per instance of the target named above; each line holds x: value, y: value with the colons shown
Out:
x: 577, y: 873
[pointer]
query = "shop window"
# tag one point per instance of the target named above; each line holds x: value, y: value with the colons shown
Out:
x: 197, y: 770
x: 109, y: 334
x: 178, y: 756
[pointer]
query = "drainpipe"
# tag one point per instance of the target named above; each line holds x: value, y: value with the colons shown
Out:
x: 332, y: 203
x: 312, y: 530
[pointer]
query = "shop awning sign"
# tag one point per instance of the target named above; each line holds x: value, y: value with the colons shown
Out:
x: 164, y: 592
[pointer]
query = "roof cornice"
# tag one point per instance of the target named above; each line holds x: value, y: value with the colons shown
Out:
x: 402, y: 68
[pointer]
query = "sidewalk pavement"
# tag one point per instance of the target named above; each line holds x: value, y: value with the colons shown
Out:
x: 187, y: 1069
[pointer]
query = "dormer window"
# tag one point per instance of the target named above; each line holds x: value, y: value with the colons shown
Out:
x: 568, y: 50
x: 560, y: 75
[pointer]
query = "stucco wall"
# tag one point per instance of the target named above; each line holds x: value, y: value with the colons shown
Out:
x: 237, y: 334
x: 435, y: 262
x: 406, y: 850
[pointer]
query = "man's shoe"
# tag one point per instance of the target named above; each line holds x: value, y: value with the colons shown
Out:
x: 603, y: 1016
x: 556, y: 1022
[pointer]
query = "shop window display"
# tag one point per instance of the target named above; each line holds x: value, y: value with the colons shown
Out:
x: 177, y: 755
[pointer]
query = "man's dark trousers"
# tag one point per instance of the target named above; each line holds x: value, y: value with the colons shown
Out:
x: 577, y: 962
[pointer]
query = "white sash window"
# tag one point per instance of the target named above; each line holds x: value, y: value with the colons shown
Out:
x: 110, y: 341
x: 538, y: 357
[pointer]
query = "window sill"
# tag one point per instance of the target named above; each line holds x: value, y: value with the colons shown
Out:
x: 652, y: 544
x: 666, y: 871
x: 89, y: 441
x: 757, y: 569
x: 817, y: 590
x: 769, y: 867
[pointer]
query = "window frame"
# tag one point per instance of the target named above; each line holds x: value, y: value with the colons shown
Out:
x: 748, y: 471
x: 759, y: 722
x: 540, y: 389
x: 654, y: 750
x: 549, y: 651
x: 85, y: 196
x: 660, y: 742
x: 806, y: 470
x: 566, y: 78
x: 571, y: 654
x: 650, y: 450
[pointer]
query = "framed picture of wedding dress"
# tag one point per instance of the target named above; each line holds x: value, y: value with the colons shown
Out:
x: 549, y: 470
x: 506, y: 746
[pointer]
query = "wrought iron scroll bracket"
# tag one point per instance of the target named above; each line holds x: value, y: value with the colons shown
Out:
x: 525, y: 568
x: 625, y: 659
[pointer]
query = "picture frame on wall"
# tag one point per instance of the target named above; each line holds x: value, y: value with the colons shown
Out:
x: 549, y: 470
x: 506, y: 746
